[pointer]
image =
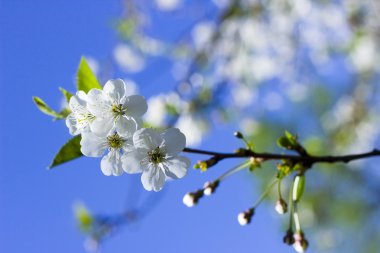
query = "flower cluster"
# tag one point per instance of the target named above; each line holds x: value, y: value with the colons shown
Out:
x: 109, y: 122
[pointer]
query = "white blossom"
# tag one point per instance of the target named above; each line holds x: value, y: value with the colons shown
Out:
x: 117, y: 143
x: 128, y: 59
x: 113, y: 108
x: 80, y: 118
x: 193, y: 127
x: 168, y: 5
x: 156, y: 156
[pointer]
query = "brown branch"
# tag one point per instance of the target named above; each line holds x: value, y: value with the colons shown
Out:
x: 310, y: 159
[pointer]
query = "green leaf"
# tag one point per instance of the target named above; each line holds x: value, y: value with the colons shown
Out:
x: 284, y: 142
x: 289, y: 135
x: 298, y: 187
x: 68, y: 152
x: 46, y: 109
x: 86, y: 80
x: 65, y: 93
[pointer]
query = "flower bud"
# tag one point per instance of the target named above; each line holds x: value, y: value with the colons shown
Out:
x: 210, y: 187
x: 298, y: 187
x: 300, y: 243
x: 245, y: 217
x: 238, y: 135
x: 281, y: 206
x: 289, y: 238
x: 192, y: 198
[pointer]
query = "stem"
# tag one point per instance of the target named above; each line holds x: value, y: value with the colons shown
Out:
x: 279, y: 188
x: 233, y: 170
x: 265, y: 193
x: 297, y: 223
x: 296, y: 158
x: 291, y: 207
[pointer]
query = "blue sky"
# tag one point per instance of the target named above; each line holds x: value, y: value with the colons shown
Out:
x: 40, y: 47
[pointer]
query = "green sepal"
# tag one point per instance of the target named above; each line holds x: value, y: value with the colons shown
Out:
x: 46, y: 109
x: 65, y: 112
x: 68, y: 152
x: 66, y: 94
x: 86, y: 79
x: 254, y: 164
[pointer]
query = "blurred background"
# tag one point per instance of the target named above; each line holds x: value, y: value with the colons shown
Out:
x: 209, y: 68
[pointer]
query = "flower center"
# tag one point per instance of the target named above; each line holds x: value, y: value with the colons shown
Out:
x: 115, y: 141
x: 85, y: 117
x: 156, y: 155
x: 118, y: 109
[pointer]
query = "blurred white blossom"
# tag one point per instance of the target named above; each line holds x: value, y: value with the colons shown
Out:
x: 168, y: 5
x: 128, y: 59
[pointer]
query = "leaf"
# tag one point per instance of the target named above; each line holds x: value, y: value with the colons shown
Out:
x: 46, y: 109
x: 284, y: 142
x: 65, y: 93
x: 289, y: 135
x: 86, y: 79
x: 68, y: 152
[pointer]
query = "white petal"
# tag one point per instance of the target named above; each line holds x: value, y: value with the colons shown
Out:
x: 102, y: 126
x: 71, y: 123
x: 111, y: 164
x: 98, y: 104
x: 136, y: 106
x: 126, y: 126
x: 146, y: 138
x: 77, y: 104
x: 115, y: 89
x: 82, y: 95
x: 153, y: 179
x: 174, y: 141
x: 131, y: 162
x: 93, y: 145
x: 176, y: 167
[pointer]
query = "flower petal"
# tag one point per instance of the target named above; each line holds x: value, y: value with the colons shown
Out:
x: 98, y: 104
x: 93, y: 145
x: 71, y: 123
x: 174, y: 141
x: 132, y: 162
x: 111, y: 163
x: 115, y: 90
x: 102, y: 126
x: 78, y: 103
x: 176, y: 167
x: 153, y: 179
x: 136, y: 106
x: 146, y: 138
x: 126, y: 126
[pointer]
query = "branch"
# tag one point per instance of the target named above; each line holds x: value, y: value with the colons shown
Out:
x: 310, y: 159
